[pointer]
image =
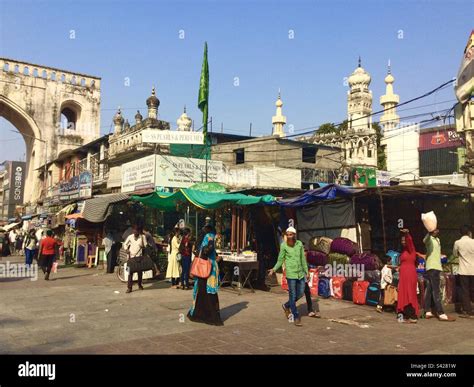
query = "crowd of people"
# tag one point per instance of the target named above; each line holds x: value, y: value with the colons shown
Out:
x: 139, y: 245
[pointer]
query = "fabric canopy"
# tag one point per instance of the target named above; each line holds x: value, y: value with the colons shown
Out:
x: 167, y: 201
x: 97, y: 209
x: 74, y: 216
x: 11, y: 226
x: 328, y: 192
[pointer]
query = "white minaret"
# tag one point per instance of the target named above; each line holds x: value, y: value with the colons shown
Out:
x: 184, y: 122
x: 389, y: 101
x: 359, y: 102
x: 278, y: 120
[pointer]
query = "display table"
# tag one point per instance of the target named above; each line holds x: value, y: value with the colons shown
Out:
x: 238, y: 274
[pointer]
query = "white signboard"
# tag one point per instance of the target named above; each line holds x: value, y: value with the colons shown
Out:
x: 383, y: 178
x: 155, y: 136
x: 183, y: 172
x: 138, y: 173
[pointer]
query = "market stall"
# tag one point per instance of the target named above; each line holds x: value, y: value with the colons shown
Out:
x: 233, y: 225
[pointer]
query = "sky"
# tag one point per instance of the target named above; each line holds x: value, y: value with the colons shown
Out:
x: 305, y: 48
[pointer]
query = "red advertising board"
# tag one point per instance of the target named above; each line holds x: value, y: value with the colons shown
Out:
x: 438, y: 139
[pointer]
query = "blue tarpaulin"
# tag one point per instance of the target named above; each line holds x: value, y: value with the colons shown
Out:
x: 328, y: 192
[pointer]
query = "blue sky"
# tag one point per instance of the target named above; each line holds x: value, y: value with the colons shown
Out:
x: 247, y: 39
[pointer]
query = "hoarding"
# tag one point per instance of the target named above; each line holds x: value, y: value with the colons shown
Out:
x: 138, y: 173
x: 446, y: 138
x: 155, y: 136
x: 17, y: 182
x: 364, y: 177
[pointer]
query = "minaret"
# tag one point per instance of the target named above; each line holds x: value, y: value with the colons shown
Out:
x: 184, y: 122
x: 278, y: 120
x: 359, y: 102
x: 118, y: 122
x: 390, y: 119
x: 152, y: 102
x: 138, y: 118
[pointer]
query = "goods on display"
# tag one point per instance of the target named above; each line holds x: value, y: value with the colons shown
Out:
x: 343, y: 246
x: 324, y: 245
x: 338, y: 259
x: 368, y: 260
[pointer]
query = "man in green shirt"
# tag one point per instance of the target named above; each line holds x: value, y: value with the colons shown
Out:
x: 432, y: 276
x: 296, y: 268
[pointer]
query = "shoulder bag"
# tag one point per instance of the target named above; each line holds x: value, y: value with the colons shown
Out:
x: 201, y: 266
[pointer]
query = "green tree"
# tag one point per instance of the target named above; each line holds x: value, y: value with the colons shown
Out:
x: 328, y: 127
x: 381, y: 156
x: 342, y: 126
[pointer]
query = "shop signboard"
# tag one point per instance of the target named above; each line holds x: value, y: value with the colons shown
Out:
x: 383, y: 178
x: 364, y: 177
x: 183, y: 172
x: 17, y: 185
x: 444, y: 138
x: 85, y: 185
x: 154, y: 136
x: 69, y: 189
x: 138, y: 173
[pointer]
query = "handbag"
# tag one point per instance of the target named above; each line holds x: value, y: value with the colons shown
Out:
x: 201, y: 268
x: 141, y: 262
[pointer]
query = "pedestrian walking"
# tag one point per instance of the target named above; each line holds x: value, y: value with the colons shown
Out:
x: 464, y: 250
x: 30, y: 245
x: 108, y: 243
x: 432, y: 277
x: 407, y: 305
x: 137, y: 262
x: 205, y: 307
x: 47, y: 253
x: 12, y: 238
x: 292, y: 255
x: 186, y: 249
x: 19, y: 242
x: 172, y: 271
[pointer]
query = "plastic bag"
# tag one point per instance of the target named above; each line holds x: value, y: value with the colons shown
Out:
x: 429, y: 221
x: 54, y: 269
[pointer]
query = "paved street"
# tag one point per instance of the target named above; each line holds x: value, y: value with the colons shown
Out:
x: 86, y: 311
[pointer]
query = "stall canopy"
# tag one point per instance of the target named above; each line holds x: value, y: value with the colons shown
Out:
x: 97, y: 209
x: 11, y: 226
x: 167, y: 201
x: 328, y: 192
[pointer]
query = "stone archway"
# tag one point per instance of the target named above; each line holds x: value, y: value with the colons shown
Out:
x: 32, y: 98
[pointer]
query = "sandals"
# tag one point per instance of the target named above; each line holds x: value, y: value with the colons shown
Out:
x: 287, y: 311
x: 449, y: 318
x: 314, y: 315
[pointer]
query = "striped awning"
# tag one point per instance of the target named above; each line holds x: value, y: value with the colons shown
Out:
x: 96, y: 210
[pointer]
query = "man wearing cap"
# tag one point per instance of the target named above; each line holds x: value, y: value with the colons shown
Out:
x: 296, y: 267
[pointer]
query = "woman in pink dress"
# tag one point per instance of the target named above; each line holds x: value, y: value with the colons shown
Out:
x: 407, y: 298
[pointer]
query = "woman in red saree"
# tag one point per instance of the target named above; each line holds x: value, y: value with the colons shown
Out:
x: 407, y: 298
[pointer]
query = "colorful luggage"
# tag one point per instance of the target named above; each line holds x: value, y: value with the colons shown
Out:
x: 347, y: 287
x: 337, y: 287
x: 313, y: 281
x: 337, y: 258
x: 359, y: 292
x: 317, y: 258
x: 324, y: 289
x: 390, y: 295
x: 324, y: 245
x: 450, y: 288
x: 368, y: 260
x: 373, y: 294
x: 343, y: 246
x: 313, y: 242
x: 372, y: 276
x: 395, y: 257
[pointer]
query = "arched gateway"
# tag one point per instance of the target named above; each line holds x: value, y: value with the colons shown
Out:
x: 53, y: 109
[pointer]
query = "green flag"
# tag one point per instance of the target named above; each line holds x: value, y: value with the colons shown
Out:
x: 203, y: 100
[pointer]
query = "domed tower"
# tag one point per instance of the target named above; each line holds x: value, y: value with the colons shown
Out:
x: 153, y: 103
x: 278, y: 120
x: 138, y: 117
x: 184, y: 122
x: 359, y: 101
x: 118, y: 122
x: 389, y: 101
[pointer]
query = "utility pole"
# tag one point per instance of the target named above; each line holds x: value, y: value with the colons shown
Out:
x: 250, y: 132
